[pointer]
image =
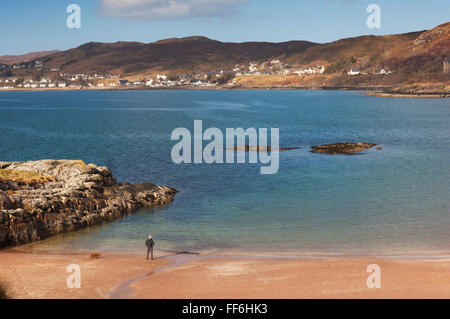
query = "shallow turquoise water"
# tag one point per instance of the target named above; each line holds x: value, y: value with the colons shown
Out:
x: 391, y: 201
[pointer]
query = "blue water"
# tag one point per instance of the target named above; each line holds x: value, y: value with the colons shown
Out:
x: 394, y: 200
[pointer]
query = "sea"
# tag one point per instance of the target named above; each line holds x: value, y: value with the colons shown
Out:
x: 391, y: 201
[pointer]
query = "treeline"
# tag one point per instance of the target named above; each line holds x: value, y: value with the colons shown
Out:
x: 341, y: 66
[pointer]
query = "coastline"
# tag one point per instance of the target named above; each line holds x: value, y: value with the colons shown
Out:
x: 30, y: 274
x: 367, y: 91
x: 42, y: 198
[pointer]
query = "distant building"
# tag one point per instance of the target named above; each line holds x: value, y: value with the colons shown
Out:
x: 383, y: 71
x: 354, y: 72
x: 322, y: 69
x: 123, y: 82
x: 161, y: 77
x: 446, y: 65
x: 253, y: 68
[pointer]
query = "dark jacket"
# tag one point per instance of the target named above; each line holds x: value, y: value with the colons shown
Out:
x: 149, y: 243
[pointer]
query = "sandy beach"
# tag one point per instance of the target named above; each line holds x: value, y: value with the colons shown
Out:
x: 34, y: 274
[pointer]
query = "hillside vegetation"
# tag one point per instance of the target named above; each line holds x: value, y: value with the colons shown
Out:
x: 414, y: 60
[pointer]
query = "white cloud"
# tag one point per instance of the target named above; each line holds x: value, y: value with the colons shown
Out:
x: 168, y: 9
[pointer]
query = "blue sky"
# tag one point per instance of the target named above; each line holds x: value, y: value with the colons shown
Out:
x: 29, y: 25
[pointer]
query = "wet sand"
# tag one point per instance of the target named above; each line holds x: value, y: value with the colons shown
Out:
x: 32, y: 274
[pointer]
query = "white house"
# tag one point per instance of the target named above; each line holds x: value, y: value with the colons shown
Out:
x: 62, y: 85
x: 383, y: 71
x: 354, y: 72
x: 322, y: 69
x: 253, y: 68
x: 161, y: 77
x: 149, y: 82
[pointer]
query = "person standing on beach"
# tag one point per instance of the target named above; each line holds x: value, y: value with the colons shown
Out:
x: 149, y: 243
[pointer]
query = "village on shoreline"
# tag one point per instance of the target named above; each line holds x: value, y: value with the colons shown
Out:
x: 53, y: 78
x: 272, y: 74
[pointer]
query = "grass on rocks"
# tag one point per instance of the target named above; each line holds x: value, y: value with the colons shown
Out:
x: 23, y: 176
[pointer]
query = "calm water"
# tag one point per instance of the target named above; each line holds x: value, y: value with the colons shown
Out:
x: 391, y: 201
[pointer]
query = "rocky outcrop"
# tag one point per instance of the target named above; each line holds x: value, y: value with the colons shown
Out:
x: 342, y: 148
x: 42, y: 198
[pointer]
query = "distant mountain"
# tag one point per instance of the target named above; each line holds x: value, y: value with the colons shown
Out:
x: 421, y: 51
x: 191, y: 54
x: 424, y: 53
x: 359, y: 52
x: 415, y: 52
x: 15, y: 59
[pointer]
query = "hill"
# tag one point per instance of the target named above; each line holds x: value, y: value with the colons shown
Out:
x: 421, y: 51
x: 16, y: 59
x: 413, y: 60
x: 185, y: 55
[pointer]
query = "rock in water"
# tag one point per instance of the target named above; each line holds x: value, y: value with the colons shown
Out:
x: 43, y: 198
x: 342, y: 148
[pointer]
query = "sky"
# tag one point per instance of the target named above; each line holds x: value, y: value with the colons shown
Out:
x: 29, y: 25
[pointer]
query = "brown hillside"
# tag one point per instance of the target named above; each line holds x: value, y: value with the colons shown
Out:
x: 190, y: 54
x: 424, y: 53
x: 15, y: 59
x: 367, y: 51
x: 421, y: 51
x: 415, y: 59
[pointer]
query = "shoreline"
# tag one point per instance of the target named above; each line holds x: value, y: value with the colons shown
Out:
x: 41, y: 247
x: 29, y: 274
x: 366, y: 91
x: 42, y: 198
